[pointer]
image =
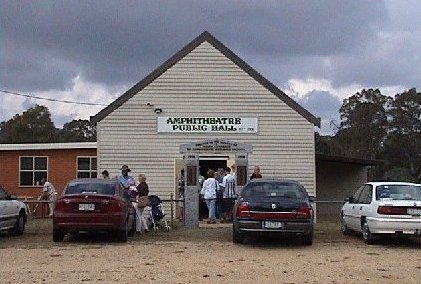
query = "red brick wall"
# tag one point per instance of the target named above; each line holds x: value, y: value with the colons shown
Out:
x: 61, y: 168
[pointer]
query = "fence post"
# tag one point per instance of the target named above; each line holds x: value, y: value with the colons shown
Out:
x: 172, y: 210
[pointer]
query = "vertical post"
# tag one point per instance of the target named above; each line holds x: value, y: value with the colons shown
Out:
x: 172, y: 209
x: 191, y: 193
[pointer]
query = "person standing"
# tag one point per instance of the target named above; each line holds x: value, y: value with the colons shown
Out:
x: 50, y: 194
x: 125, y: 180
x: 105, y: 174
x: 143, y: 192
x: 233, y: 170
x: 208, y: 191
x: 229, y: 195
x: 219, y: 176
x: 256, y: 173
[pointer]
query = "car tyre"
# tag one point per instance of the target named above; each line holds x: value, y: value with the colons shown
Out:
x: 307, y: 239
x: 122, y: 236
x: 344, y: 228
x: 58, y: 236
x: 237, y: 237
x: 132, y: 229
x: 19, y: 225
x: 367, y: 235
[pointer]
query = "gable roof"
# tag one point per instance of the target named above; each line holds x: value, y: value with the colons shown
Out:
x: 205, y: 36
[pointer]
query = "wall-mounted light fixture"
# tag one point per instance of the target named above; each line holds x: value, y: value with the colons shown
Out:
x: 158, y: 110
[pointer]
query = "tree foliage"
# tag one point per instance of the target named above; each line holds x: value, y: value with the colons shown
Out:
x: 374, y: 126
x: 403, y: 143
x: 35, y: 126
x: 78, y: 131
x: 363, y: 123
x: 32, y: 126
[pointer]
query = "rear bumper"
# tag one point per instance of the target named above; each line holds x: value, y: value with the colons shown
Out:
x: 301, y: 227
x: 395, y: 226
x: 82, y: 222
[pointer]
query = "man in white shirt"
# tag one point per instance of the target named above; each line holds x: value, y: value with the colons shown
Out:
x: 228, y: 187
x: 51, y: 194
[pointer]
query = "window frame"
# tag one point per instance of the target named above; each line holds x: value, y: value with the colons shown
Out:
x: 90, y: 171
x: 33, y: 171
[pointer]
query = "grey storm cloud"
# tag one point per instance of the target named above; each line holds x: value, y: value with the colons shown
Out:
x: 45, y: 44
x: 324, y: 105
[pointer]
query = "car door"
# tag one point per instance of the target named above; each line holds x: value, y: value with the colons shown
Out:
x: 349, y: 213
x: 7, y: 216
x: 365, y: 200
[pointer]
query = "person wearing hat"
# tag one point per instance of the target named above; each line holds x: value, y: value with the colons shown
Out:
x: 125, y: 180
x: 105, y: 174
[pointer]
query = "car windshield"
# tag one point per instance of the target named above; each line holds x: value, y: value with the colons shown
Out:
x: 399, y: 192
x: 93, y: 188
x: 274, y: 189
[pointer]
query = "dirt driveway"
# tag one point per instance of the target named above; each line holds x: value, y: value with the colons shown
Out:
x: 205, y: 255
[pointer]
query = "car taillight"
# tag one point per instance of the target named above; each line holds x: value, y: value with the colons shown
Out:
x: 304, y: 213
x: 243, y: 210
x: 391, y: 210
x: 115, y: 206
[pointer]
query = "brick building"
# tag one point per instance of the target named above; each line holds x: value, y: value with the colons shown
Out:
x: 23, y: 165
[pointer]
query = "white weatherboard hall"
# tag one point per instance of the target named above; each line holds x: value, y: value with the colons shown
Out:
x: 206, y: 107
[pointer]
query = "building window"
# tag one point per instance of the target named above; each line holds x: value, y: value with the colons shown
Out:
x: 32, y: 170
x: 86, y: 167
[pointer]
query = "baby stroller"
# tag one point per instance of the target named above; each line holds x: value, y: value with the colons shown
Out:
x: 157, y: 214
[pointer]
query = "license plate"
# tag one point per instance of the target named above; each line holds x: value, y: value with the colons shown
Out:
x: 272, y: 225
x: 86, y: 207
x: 413, y: 211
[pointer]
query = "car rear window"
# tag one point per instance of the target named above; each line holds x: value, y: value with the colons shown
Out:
x: 274, y: 189
x: 398, y: 192
x: 93, y: 188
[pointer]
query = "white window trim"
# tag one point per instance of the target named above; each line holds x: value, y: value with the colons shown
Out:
x: 33, y: 170
x: 90, y: 171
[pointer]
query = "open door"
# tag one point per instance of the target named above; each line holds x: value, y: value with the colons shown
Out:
x: 191, y: 190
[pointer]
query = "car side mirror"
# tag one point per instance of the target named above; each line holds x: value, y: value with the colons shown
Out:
x: 349, y: 199
x: 312, y: 198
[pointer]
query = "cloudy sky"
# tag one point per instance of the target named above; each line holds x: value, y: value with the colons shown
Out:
x: 317, y: 52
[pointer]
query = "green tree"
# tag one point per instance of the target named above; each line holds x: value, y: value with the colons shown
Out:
x: 363, y: 123
x: 32, y: 126
x: 78, y: 131
x: 403, y: 144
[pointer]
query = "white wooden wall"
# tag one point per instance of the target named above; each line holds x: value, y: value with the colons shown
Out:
x: 205, y: 83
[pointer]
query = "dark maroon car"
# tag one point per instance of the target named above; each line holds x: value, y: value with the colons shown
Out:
x: 273, y: 207
x: 93, y: 205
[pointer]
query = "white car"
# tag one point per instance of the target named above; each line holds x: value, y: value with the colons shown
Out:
x: 383, y: 208
x: 13, y: 213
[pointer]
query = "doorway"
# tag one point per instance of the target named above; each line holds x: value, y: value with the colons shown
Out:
x: 205, y: 164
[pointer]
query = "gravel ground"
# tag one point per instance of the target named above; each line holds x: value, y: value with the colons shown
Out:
x: 205, y: 255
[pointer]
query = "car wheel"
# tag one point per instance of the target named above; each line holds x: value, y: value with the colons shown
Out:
x: 132, y: 229
x: 237, y: 237
x: 122, y: 236
x: 307, y: 240
x: 344, y: 228
x: 58, y: 236
x: 19, y: 225
x: 367, y: 235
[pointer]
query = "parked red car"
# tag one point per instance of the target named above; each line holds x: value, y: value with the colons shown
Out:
x: 93, y: 205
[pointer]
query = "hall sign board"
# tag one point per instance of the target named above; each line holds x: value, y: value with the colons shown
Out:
x: 215, y: 146
x: 214, y: 124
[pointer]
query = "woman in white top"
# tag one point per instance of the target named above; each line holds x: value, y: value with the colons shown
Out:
x: 209, y: 194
